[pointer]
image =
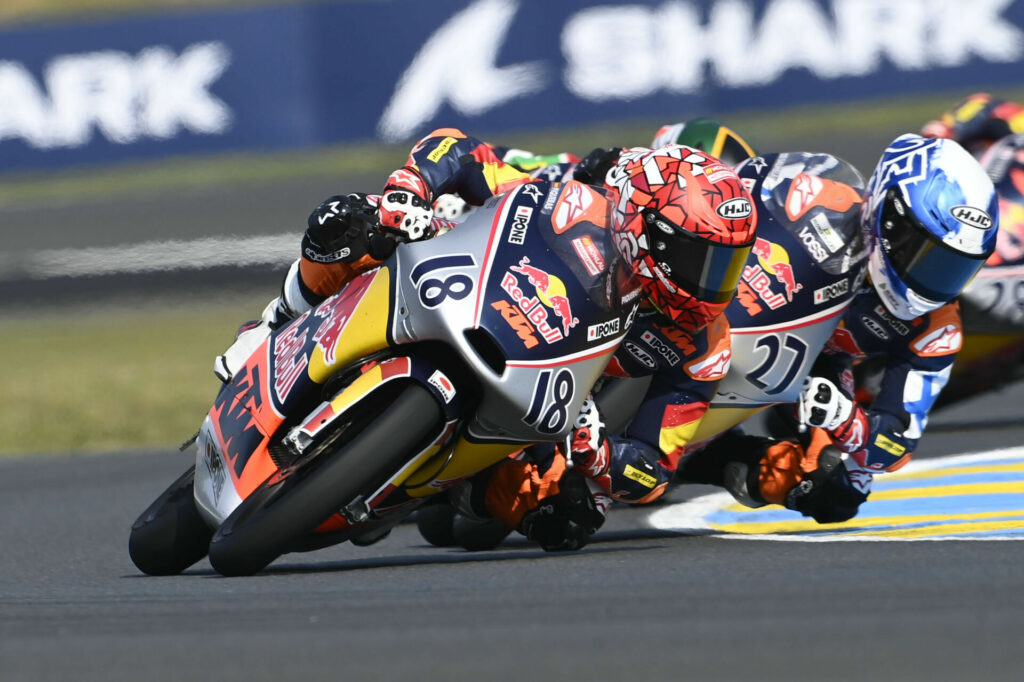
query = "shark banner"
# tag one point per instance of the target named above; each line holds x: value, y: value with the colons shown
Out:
x: 302, y: 75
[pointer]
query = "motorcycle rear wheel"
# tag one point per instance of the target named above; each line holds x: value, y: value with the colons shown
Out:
x: 170, y: 535
x: 267, y: 522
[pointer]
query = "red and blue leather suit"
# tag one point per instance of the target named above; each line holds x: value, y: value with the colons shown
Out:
x: 686, y: 363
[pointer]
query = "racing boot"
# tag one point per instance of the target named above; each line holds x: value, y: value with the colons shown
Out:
x: 250, y: 336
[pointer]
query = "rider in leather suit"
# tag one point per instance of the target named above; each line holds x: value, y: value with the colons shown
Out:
x: 685, y: 224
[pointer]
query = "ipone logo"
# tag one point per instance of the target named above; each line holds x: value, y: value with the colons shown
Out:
x: 602, y: 329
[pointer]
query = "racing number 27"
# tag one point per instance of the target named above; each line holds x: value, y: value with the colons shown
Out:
x: 797, y: 352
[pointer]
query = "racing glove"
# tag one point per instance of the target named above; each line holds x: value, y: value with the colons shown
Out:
x: 405, y: 206
x: 450, y: 207
x: 834, y: 491
x: 564, y: 521
x: 825, y: 405
x: 822, y: 404
x: 595, y: 165
x: 343, y: 229
x: 589, y: 449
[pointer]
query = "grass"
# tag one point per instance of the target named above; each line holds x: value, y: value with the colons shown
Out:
x: 132, y: 378
x: 34, y: 11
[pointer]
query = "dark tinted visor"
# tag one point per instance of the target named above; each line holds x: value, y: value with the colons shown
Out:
x: 732, y: 149
x: 926, y: 265
x: 706, y: 270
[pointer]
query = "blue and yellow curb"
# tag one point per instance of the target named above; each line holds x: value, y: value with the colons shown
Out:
x: 977, y: 496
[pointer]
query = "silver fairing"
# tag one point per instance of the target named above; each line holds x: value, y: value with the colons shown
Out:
x: 445, y: 287
x: 215, y: 495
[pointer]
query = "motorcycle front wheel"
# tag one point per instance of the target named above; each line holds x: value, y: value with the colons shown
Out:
x: 170, y: 535
x: 267, y: 522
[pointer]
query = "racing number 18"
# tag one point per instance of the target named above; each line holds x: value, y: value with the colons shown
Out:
x: 434, y: 291
x: 556, y: 401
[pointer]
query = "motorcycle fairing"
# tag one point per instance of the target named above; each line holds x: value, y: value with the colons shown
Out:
x: 801, y: 276
x: 467, y: 298
x: 810, y: 249
x: 283, y: 377
x: 430, y: 295
x: 311, y: 349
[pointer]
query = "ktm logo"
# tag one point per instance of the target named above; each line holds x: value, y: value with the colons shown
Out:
x: 517, y: 320
x: 682, y: 340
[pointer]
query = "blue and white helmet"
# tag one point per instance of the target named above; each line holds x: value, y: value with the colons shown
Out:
x: 933, y: 214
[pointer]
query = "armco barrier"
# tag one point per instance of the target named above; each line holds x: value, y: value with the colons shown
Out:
x: 300, y: 75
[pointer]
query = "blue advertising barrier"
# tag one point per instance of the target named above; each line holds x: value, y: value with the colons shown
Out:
x: 301, y: 75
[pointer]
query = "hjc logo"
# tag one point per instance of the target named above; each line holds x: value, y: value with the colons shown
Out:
x: 735, y: 209
x: 975, y: 217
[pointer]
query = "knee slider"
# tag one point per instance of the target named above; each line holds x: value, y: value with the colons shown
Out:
x: 826, y: 494
x: 635, y: 477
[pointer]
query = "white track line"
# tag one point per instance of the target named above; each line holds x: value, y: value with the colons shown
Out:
x: 156, y: 256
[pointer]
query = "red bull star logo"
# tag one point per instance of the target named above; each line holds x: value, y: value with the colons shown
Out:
x: 551, y: 293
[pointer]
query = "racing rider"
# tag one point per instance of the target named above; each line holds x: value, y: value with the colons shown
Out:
x: 684, y: 222
x: 932, y: 213
x: 978, y: 121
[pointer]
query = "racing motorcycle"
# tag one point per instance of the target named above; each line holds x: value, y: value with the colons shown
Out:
x: 808, y: 261
x: 455, y: 353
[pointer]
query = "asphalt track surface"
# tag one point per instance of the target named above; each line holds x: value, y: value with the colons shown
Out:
x: 639, y: 602
x: 636, y: 603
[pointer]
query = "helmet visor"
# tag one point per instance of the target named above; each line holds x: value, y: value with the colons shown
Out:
x: 927, y: 266
x: 707, y: 270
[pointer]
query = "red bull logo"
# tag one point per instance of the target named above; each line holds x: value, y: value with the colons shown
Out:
x: 550, y: 293
x: 772, y: 260
x: 289, y: 360
x: 336, y: 313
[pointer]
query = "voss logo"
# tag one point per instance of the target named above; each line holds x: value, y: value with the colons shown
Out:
x: 517, y: 235
x: 599, y: 331
x: 974, y: 217
x: 735, y: 209
x: 835, y: 290
x: 814, y: 247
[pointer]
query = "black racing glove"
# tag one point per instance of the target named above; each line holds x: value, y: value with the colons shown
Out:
x: 565, y: 521
x: 826, y: 494
x: 595, y: 165
x: 343, y: 229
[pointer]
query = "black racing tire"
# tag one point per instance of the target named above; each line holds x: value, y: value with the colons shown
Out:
x: 269, y: 520
x: 435, y: 523
x: 479, y: 535
x: 170, y: 535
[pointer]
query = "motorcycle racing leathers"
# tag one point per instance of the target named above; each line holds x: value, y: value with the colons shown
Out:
x: 635, y: 466
x: 917, y: 358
